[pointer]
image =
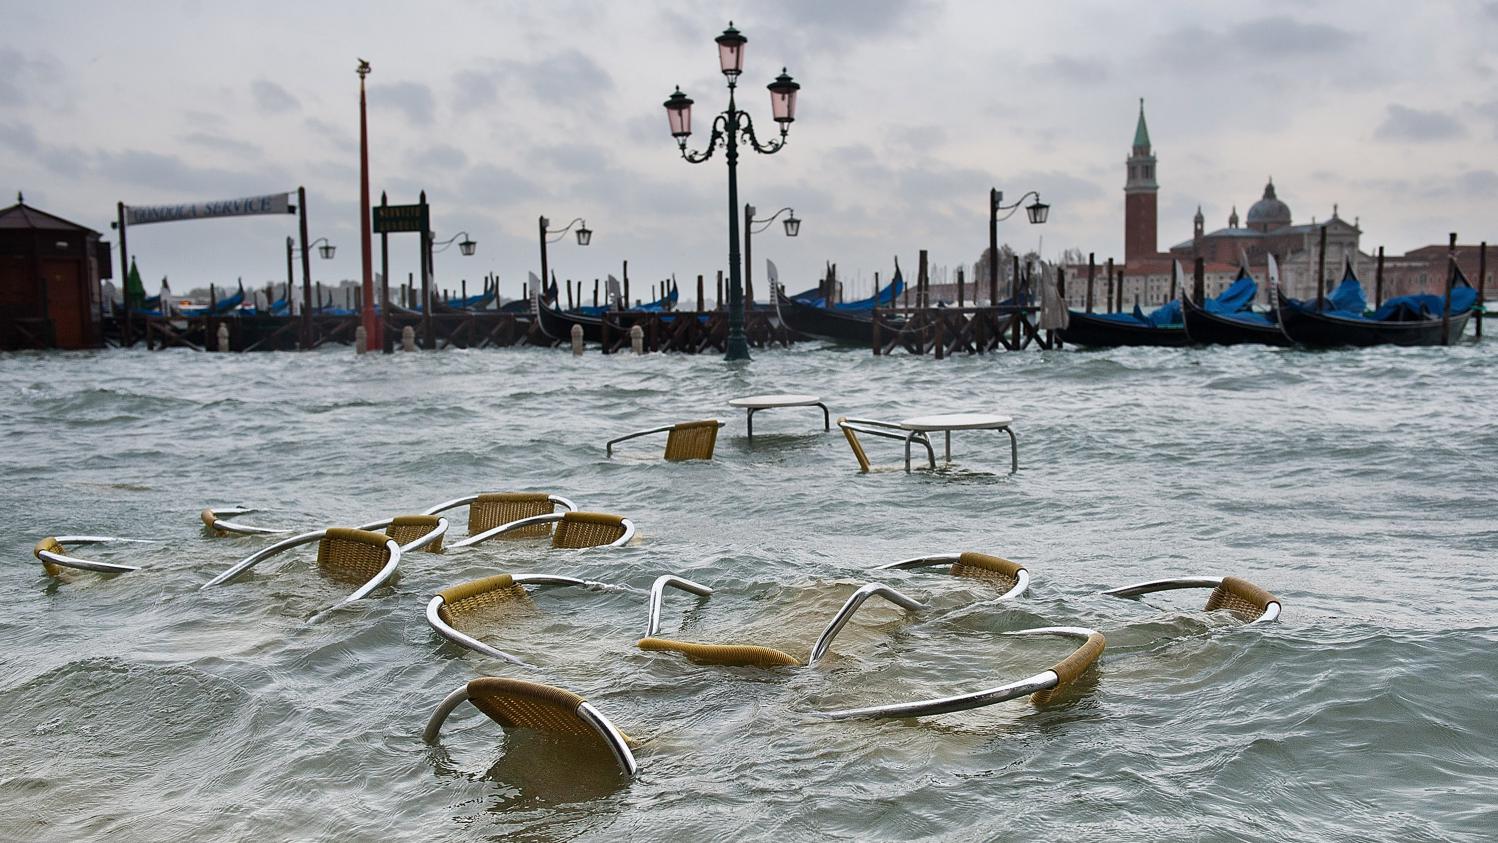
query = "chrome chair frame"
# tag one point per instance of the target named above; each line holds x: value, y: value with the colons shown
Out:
x: 629, y: 530
x: 608, y: 446
x: 422, y: 541
x: 1271, y: 612
x: 887, y: 430
x: 1022, y: 577
x: 81, y: 564
x: 380, y: 578
x: 824, y: 641
x: 210, y: 518
x: 612, y: 737
x: 462, y: 639
x: 1042, y: 681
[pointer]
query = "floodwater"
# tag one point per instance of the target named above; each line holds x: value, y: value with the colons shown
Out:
x: 1357, y: 486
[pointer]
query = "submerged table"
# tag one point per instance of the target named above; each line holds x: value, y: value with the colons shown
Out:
x: 948, y: 422
x: 754, y: 403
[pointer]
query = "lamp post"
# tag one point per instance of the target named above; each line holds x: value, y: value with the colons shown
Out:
x: 466, y: 246
x: 584, y: 237
x: 326, y: 250
x: 792, y: 228
x: 727, y: 127
x: 372, y: 332
x: 1038, y: 212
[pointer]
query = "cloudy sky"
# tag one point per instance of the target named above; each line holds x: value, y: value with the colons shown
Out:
x: 910, y: 110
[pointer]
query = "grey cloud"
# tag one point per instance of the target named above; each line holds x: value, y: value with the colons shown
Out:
x: 171, y: 173
x: 336, y: 134
x: 220, y: 143
x: 23, y: 74
x: 271, y: 98
x: 439, y: 156
x: 574, y: 157
x: 488, y: 185
x: 1072, y: 70
x: 1403, y: 123
x: 411, y: 98
x: 565, y: 76
x: 19, y: 137
x: 1285, y: 36
x: 1482, y: 184
x: 917, y: 137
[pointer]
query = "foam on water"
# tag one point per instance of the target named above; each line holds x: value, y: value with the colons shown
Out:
x: 1357, y: 486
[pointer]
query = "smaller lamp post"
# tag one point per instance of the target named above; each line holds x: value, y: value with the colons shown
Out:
x: 792, y: 228
x: 1038, y: 212
x: 466, y: 246
x: 324, y: 248
x: 584, y: 237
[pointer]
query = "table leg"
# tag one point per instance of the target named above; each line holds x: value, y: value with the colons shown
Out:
x: 949, y: 445
x: 909, y: 436
x: 826, y: 416
x: 1013, y: 451
x: 751, y: 424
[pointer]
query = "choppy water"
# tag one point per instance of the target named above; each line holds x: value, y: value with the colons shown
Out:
x: 1358, y: 486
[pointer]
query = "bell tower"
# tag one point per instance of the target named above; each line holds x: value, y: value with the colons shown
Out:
x: 1140, y: 200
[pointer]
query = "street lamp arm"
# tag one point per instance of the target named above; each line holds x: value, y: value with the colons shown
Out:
x: 1000, y: 206
x: 445, y: 244
x: 747, y: 124
x: 562, y: 232
x: 765, y: 223
x: 720, y: 126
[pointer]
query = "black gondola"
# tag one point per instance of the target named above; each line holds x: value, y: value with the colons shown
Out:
x: 1244, y: 328
x: 1107, y: 330
x: 1335, y: 329
x: 1404, y: 320
x: 847, y: 326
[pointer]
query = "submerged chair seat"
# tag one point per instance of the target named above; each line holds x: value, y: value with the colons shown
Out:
x: 452, y: 606
x: 517, y: 704
x: 693, y: 440
x: 886, y: 430
x: 54, y: 556
x: 1241, y: 598
x: 346, y: 554
x: 488, y: 510
x: 1011, y: 576
x: 573, y: 529
x: 749, y: 655
x: 1042, y: 687
x: 222, y: 527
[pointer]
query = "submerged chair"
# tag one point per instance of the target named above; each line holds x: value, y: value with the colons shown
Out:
x: 488, y: 510
x: 53, y: 553
x: 693, y: 440
x: 343, y: 553
x: 452, y: 606
x: 573, y: 529
x: 222, y: 527
x: 749, y: 655
x: 887, y: 430
x: 517, y: 704
x: 1241, y: 598
x: 1043, y: 686
x: 1013, y: 577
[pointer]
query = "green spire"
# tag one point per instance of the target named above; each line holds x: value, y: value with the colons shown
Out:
x: 135, y: 290
x: 1142, y: 132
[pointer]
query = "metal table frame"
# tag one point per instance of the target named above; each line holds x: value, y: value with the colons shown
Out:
x: 749, y: 419
x: 1007, y: 428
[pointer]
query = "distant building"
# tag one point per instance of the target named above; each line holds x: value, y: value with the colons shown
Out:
x: 49, y: 281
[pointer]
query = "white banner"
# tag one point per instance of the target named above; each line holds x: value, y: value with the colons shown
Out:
x: 274, y: 203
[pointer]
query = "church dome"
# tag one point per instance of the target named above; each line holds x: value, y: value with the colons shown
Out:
x: 1269, y: 212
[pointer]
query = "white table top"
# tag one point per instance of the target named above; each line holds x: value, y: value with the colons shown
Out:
x: 957, y: 421
x: 764, y: 402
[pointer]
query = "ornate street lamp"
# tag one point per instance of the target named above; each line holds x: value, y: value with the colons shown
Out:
x: 727, y: 127
x: 584, y: 237
x: 792, y: 228
x: 1037, y: 212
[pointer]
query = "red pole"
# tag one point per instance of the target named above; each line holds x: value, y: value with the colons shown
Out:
x: 371, y: 326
